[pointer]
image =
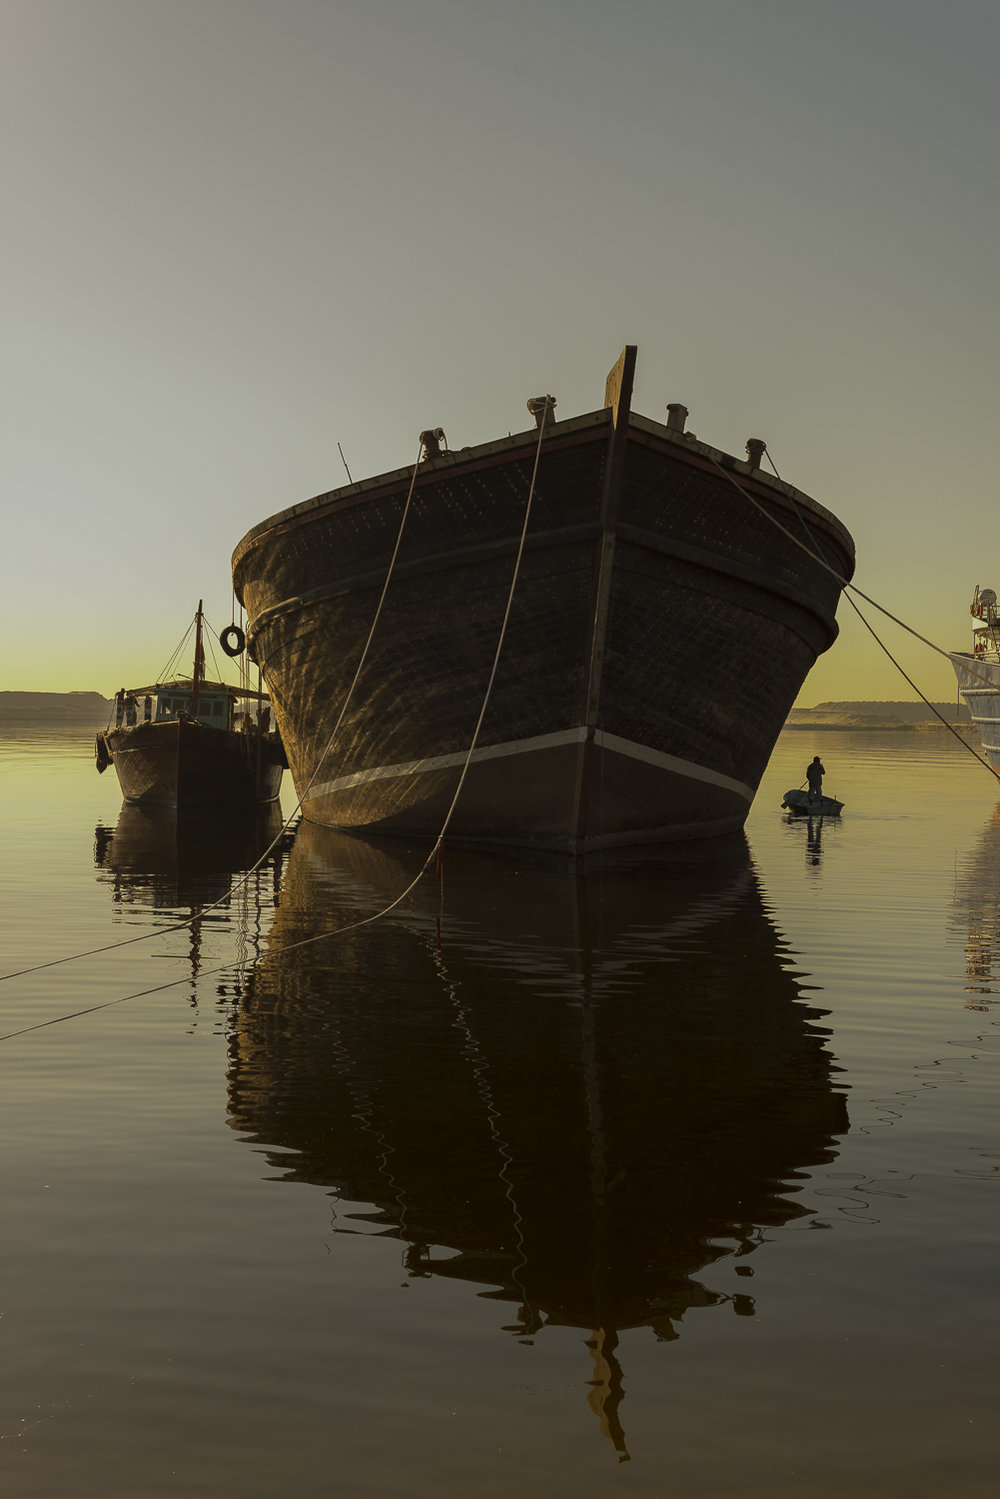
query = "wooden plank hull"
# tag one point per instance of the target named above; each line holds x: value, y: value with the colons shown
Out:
x: 710, y: 619
x: 525, y: 793
x: 189, y: 764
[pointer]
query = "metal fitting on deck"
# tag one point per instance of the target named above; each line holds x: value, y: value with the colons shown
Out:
x: 542, y: 409
x: 431, y: 441
x: 756, y: 448
x: 677, y: 415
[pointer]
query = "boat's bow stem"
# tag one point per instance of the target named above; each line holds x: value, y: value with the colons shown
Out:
x: 617, y: 396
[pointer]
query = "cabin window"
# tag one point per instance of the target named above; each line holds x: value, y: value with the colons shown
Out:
x: 217, y: 709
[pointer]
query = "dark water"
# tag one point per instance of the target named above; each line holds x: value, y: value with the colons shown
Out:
x: 679, y: 1180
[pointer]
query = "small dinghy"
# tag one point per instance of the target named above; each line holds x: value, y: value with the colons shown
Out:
x: 812, y: 805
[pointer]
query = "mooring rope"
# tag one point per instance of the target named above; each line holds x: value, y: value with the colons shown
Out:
x: 436, y: 845
x: 241, y: 964
x: 245, y: 878
x: 813, y: 551
x: 871, y: 629
x: 845, y: 583
x: 950, y: 727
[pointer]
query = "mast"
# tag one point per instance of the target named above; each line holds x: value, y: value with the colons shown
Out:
x: 618, y: 398
x: 198, y: 675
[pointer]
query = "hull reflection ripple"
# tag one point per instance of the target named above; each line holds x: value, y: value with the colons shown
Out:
x: 976, y: 915
x: 169, y: 857
x: 588, y: 1090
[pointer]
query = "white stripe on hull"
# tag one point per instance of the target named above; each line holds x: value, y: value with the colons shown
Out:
x: 539, y: 742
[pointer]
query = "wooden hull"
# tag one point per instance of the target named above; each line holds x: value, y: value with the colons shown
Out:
x: 189, y: 764
x: 660, y: 631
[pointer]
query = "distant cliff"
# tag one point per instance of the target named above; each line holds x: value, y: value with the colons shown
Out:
x: 88, y: 709
x: 908, y: 715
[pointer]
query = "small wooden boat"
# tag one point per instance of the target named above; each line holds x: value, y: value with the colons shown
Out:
x: 190, y: 742
x: 812, y: 804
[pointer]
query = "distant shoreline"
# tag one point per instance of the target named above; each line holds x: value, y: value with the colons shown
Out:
x: 934, y: 726
x: 906, y: 717
x: 84, y: 709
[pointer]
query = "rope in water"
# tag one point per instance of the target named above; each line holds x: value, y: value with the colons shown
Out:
x: 242, y: 965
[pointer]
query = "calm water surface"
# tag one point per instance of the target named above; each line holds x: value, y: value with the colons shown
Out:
x: 679, y: 1180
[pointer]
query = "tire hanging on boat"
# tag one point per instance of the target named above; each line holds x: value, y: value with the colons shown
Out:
x: 233, y: 640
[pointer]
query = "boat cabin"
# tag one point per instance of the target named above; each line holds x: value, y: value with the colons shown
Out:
x: 211, y: 706
x: 218, y: 704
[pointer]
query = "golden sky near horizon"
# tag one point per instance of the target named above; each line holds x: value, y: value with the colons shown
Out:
x: 240, y: 233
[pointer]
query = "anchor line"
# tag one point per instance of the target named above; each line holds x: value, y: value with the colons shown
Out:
x: 876, y: 636
x: 815, y: 552
x: 844, y: 582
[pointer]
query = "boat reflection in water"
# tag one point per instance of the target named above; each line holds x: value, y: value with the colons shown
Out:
x: 977, y: 916
x: 165, y: 862
x: 588, y: 1089
x: 811, y: 830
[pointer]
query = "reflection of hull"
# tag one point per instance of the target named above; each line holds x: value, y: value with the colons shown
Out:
x: 608, y: 721
x: 177, y: 763
x: 174, y: 858
x: 588, y: 1090
x: 977, y: 914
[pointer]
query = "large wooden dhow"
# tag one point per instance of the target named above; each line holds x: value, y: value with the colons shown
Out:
x: 660, y: 629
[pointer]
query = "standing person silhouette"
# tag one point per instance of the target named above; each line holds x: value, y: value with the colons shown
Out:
x: 814, y: 775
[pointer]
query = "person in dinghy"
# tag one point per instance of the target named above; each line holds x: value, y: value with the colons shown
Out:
x: 812, y: 802
x: 814, y: 775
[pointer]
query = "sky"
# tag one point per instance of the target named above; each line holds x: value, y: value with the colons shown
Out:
x: 240, y: 232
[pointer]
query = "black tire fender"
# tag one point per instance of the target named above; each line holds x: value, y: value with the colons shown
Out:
x: 233, y: 640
